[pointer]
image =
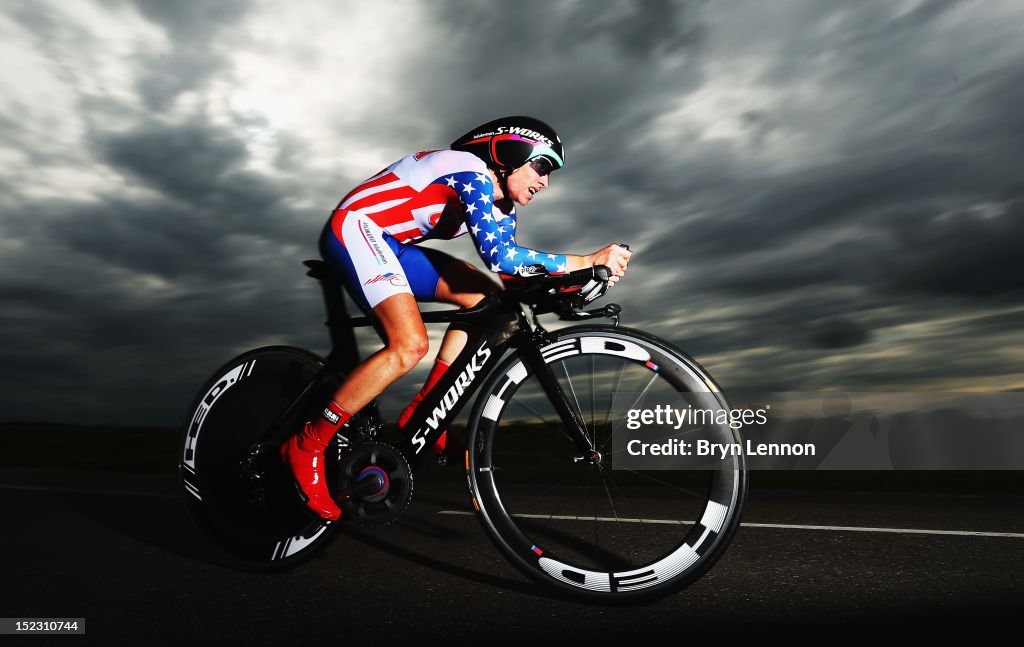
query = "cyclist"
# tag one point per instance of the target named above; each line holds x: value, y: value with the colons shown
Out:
x: 370, y: 242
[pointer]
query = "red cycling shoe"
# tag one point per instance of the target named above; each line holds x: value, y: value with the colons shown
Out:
x: 304, y: 454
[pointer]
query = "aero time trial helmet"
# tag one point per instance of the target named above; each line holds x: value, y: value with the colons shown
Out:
x: 507, y: 143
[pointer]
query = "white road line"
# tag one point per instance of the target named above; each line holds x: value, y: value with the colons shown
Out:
x: 67, y: 490
x: 905, y: 531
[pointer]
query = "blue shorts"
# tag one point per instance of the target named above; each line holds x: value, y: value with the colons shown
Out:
x: 375, y: 266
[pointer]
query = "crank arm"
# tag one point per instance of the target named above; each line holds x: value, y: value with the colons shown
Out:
x: 369, y: 486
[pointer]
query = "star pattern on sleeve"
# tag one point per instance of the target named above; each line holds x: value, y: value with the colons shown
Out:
x: 495, y: 243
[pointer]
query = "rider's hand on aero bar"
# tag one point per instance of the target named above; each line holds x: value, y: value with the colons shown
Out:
x: 565, y: 293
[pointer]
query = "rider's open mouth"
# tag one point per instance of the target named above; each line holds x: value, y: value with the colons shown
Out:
x: 533, y: 191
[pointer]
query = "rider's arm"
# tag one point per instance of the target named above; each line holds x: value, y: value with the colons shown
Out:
x: 612, y: 256
x: 494, y: 232
x: 574, y: 262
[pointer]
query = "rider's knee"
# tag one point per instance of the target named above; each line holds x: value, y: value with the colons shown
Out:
x: 409, y: 353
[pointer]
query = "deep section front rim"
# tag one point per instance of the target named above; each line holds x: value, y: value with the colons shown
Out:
x: 590, y: 530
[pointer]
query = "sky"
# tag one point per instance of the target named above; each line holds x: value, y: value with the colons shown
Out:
x: 820, y: 195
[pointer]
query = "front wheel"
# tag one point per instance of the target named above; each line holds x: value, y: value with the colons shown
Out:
x: 604, y: 530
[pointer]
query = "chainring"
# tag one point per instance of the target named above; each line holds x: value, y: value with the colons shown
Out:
x: 386, y: 505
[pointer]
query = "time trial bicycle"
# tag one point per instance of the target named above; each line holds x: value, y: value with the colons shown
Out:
x: 543, y: 478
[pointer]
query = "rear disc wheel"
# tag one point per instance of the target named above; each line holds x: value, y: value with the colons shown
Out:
x: 240, y: 493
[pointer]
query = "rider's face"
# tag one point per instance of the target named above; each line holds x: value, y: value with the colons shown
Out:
x: 524, y: 183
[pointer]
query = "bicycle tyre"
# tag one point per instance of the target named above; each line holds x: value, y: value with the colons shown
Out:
x: 513, y: 472
x: 237, y: 404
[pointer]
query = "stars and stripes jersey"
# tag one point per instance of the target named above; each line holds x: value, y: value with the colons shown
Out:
x: 444, y: 194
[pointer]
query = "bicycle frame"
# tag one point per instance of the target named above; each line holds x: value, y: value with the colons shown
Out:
x: 496, y: 324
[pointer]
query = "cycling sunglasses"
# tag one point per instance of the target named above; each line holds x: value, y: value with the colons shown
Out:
x: 542, y: 165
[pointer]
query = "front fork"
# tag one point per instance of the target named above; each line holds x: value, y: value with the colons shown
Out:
x: 530, y: 350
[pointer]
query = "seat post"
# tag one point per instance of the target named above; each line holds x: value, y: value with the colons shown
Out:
x: 344, y: 350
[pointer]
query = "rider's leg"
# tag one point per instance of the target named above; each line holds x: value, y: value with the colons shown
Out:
x: 399, y: 317
x: 463, y: 285
x: 407, y: 344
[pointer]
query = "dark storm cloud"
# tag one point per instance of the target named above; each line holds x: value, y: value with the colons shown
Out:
x: 193, y: 22
x: 130, y: 359
x: 919, y: 216
x: 837, y: 332
x: 107, y: 325
x: 185, y: 161
x: 639, y: 30
x: 157, y: 238
x: 916, y: 166
x: 203, y: 204
x: 807, y: 321
x: 152, y: 284
x: 199, y: 50
x: 113, y: 306
x: 913, y: 231
x: 168, y: 76
x: 196, y: 164
x: 974, y: 255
